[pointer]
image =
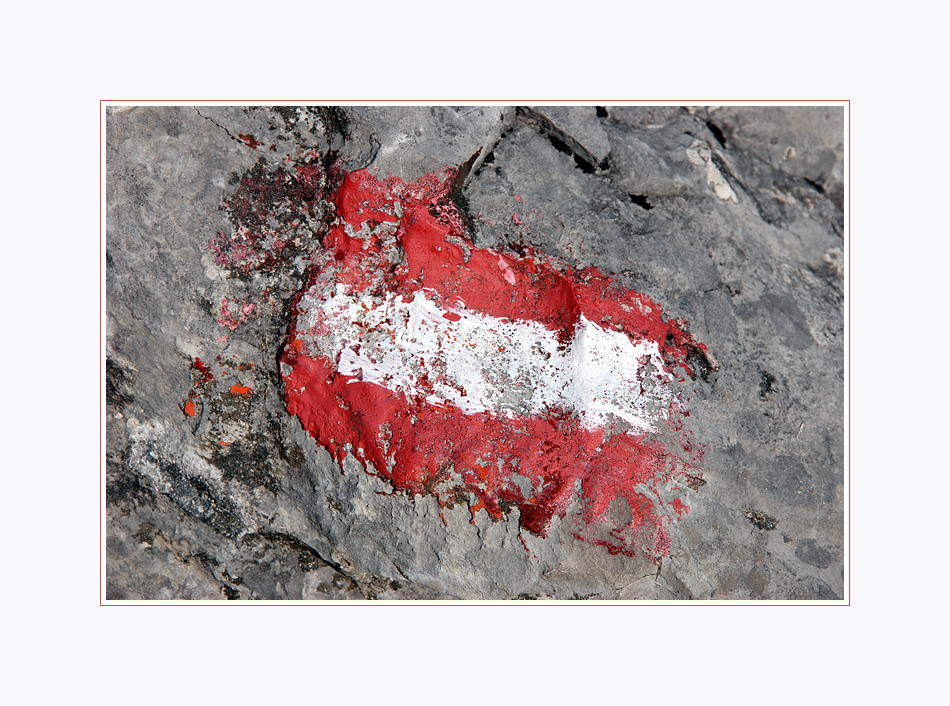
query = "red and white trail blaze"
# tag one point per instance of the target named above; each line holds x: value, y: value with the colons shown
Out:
x: 459, y: 371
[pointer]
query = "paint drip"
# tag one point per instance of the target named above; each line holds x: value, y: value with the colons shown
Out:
x: 474, y: 375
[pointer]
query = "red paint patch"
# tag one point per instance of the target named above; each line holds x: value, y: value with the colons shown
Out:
x: 242, y: 390
x: 680, y: 507
x: 190, y: 408
x: 536, y: 463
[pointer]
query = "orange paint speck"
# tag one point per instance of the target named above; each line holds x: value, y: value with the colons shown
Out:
x: 475, y: 508
x: 240, y: 390
x: 190, y: 408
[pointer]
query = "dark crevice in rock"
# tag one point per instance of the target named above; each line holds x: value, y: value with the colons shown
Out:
x: 561, y: 146
x: 815, y: 185
x: 717, y: 132
x: 244, y: 141
x: 308, y: 557
x: 489, y: 159
x: 457, y: 194
x: 560, y: 140
x: 641, y: 201
x: 779, y: 196
x: 464, y: 169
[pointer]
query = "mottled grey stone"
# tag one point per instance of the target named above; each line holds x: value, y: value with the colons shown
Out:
x: 809, y: 552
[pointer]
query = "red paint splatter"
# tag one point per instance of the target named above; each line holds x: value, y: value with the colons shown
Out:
x: 242, y: 390
x: 205, y: 370
x: 538, y: 464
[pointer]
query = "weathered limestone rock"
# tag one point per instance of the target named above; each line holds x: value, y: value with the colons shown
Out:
x: 729, y: 218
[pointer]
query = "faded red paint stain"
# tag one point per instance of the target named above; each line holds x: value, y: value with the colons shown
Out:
x: 538, y: 464
x: 250, y: 140
x: 273, y: 213
x: 233, y: 314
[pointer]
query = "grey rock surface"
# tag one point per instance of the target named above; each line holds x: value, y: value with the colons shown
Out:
x: 729, y: 218
x: 416, y: 141
x: 579, y: 129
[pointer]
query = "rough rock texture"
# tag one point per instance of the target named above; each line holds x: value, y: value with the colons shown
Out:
x: 577, y: 129
x: 729, y: 218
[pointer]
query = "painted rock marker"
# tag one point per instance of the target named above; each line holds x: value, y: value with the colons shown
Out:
x: 460, y: 371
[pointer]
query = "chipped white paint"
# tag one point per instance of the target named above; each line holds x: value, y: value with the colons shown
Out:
x: 700, y: 154
x: 480, y: 363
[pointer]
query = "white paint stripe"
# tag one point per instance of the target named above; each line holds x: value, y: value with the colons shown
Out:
x: 485, y: 364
